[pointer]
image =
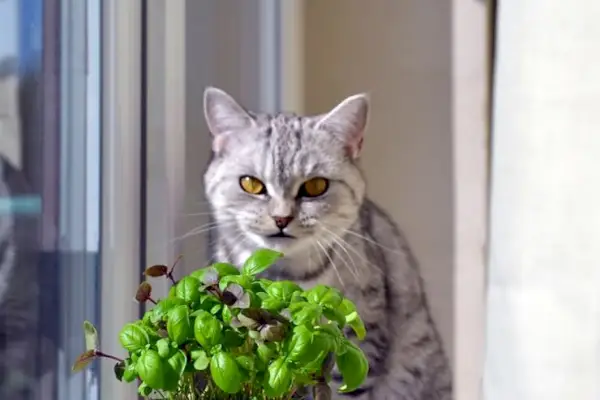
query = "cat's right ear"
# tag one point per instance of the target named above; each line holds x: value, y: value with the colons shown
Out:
x: 223, y: 115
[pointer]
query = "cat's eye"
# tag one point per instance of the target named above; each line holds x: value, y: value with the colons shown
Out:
x: 313, y: 187
x: 252, y: 185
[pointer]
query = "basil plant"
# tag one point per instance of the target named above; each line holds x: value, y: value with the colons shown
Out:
x: 225, y: 333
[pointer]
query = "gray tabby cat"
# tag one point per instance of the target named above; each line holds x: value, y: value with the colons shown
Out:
x: 292, y: 183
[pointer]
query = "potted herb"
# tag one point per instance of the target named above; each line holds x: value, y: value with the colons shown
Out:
x: 223, y: 334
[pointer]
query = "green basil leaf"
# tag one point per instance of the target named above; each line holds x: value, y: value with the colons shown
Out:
x: 255, y: 335
x: 215, y: 309
x: 305, y: 313
x: 232, y: 339
x: 226, y: 315
x: 264, y: 283
x: 133, y: 337
x: 266, y: 352
x: 130, y: 373
x: 325, y: 296
x: 321, y: 345
x: 173, y: 291
x: 207, y: 329
x: 260, y: 260
x: 257, y: 288
x: 225, y: 372
x: 164, y: 348
x: 334, y: 315
x: 357, y: 325
x: 201, y: 362
x: 177, y: 363
x: 144, y: 390
x: 199, y: 273
x: 163, y: 307
x: 299, y: 346
x: 91, y: 336
x: 207, y: 303
x: 283, y: 290
x: 336, y: 335
x: 278, y: 380
x: 225, y: 269
x: 346, y: 307
x: 273, y: 304
x: 353, y: 366
x: 179, y: 325
x: 147, y: 318
x: 244, y: 281
x: 152, y: 370
x: 188, y: 289
x: 161, y: 374
x: 246, y: 362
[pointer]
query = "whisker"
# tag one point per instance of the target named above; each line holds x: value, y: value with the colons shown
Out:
x: 310, y: 258
x: 204, y: 228
x: 367, y: 239
x: 198, y: 214
x: 353, y: 271
x: 209, y: 212
x: 343, y: 244
x: 349, y: 247
x: 332, y: 263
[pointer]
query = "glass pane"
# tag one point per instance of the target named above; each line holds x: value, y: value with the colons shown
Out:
x: 49, y: 195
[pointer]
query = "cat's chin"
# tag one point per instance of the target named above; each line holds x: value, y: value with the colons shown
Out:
x: 288, y: 245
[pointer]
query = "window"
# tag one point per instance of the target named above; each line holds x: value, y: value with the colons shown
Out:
x: 50, y: 158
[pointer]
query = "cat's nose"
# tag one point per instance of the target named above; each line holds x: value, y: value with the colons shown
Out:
x: 282, y: 222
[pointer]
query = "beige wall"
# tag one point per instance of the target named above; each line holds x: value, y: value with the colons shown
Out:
x: 424, y: 64
x: 399, y: 52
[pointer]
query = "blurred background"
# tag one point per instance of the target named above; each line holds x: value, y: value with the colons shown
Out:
x: 103, y: 145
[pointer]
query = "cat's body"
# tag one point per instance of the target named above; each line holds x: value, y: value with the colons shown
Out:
x: 293, y: 184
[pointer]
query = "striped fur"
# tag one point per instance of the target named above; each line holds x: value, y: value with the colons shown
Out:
x: 340, y: 238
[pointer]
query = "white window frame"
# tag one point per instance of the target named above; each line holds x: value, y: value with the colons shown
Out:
x: 169, y: 193
x: 121, y: 186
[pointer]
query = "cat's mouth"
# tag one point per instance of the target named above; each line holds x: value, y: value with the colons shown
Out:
x: 281, y: 235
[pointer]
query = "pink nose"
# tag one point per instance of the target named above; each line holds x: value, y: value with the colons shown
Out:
x: 282, y: 222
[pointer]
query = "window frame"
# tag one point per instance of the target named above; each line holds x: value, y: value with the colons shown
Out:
x: 121, y: 190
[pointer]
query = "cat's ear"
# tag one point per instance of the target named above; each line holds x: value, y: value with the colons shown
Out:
x: 348, y: 120
x: 223, y: 114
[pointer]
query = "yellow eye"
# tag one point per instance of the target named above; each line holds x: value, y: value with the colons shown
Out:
x: 252, y: 185
x: 314, y: 187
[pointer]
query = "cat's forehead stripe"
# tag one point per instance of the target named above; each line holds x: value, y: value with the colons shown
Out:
x: 284, y: 133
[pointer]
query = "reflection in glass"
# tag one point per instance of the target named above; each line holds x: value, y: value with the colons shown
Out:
x: 49, y: 188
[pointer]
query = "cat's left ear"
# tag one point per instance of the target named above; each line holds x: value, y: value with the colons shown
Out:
x: 224, y: 115
x: 348, y: 120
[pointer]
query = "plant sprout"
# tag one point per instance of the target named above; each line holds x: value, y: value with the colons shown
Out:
x: 224, y: 333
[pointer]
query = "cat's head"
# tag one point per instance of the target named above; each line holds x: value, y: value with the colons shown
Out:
x: 283, y: 181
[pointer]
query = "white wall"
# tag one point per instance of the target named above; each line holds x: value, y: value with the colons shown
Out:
x: 544, y: 274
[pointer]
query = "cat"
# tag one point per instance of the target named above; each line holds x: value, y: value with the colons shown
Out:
x: 293, y: 184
